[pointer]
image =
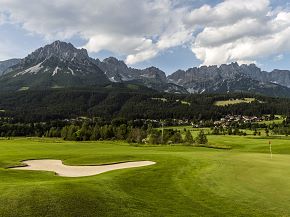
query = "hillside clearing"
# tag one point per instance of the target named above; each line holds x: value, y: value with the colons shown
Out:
x: 234, y: 101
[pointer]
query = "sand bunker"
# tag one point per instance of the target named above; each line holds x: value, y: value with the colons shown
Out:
x: 77, y: 171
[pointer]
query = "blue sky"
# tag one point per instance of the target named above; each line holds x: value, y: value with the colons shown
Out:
x: 169, y: 34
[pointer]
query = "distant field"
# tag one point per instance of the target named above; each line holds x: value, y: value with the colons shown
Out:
x: 186, y: 181
x: 234, y: 101
x: 24, y: 88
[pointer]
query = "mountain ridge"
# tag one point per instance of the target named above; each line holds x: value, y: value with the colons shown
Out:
x: 60, y: 64
x: 57, y: 65
x: 4, y: 65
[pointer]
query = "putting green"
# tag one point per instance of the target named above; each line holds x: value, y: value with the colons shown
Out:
x: 185, y: 181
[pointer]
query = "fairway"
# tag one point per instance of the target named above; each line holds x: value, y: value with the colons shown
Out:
x: 185, y: 181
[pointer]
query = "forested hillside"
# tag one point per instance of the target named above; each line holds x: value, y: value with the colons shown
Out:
x: 130, y: 102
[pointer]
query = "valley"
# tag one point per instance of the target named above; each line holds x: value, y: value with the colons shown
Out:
x: 152, y: 108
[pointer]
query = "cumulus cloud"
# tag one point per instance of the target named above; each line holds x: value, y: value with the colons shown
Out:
x: 138, y: 29
x: 239, y: 30
x: 229, y: 11
x: 232, y: 30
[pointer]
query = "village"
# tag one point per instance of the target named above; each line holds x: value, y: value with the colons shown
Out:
x: 230, y: 119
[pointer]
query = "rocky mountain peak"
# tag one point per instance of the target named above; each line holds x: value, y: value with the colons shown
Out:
x: 154, y: 73
x: 230, y: 77
x: 61, y: 50
x: 114, y: 61
x: 60, y: 64
x: 56, y: 65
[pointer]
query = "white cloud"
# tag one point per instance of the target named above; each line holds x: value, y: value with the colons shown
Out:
x: 117, y: 43
x: 249, y: 27
x: 141, y: 56
x: 122, y: 26
x: 233, y: 30
x: 240, y: 30
x: 229, y: 11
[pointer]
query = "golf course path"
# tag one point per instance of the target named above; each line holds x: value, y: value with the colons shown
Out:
x: 77, y: 171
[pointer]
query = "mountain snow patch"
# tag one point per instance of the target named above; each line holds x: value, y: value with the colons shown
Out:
x: 113, y: 79
x: 55, y: 71
x: 32, y: 70
x: 72, y: 72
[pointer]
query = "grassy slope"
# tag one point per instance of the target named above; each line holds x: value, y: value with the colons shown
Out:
x: 186, y: 181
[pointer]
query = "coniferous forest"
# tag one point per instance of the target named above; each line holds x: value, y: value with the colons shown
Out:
x: 121, y: 113
x: 130, y: 104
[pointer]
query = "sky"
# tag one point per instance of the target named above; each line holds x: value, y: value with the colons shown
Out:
x: 168, y: 34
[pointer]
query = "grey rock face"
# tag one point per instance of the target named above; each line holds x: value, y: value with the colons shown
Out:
x: 56, y: 65
x: 231, y: 78
x: 152, y: 77
x: 60, y: 64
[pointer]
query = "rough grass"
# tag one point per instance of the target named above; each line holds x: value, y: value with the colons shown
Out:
x: 186, y: 181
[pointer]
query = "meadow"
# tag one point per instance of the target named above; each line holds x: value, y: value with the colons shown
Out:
x: 234, y: 101
x: 185, y: 181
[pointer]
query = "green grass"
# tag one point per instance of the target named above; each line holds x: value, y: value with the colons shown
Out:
x: 234, y: 101
x: 133, y: 87
x: 56, y: 87
x: 166, y: 100
x: 160, y: 99
x: 184, y: 102
x: 23, y: 89
x: 186, y: 181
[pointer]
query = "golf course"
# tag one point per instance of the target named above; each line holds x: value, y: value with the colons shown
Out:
x: 241, y: 180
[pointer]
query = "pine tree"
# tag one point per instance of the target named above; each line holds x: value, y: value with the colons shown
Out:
x: 188, y: 138
x: 96, y: 133
x: 267, y: 132
x: 155, y: 137
x: 176, y: 138
x: 255, y: 132
x: 215, y: 131
x: 201, y: 138
x: 64, y: 133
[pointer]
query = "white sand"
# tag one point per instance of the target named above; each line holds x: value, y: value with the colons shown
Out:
x: 77, y: 171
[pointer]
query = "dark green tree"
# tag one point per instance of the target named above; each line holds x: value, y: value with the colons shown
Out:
x: 176, y: 138
x: 267, y: 132
x: 201, y: 138
x: 155, y: 137
x: 188, y: 139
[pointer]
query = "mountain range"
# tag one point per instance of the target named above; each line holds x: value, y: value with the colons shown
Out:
x: 61, y: 65
x: 4, y: 65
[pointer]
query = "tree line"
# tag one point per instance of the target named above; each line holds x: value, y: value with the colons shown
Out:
x: 98, y: 130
